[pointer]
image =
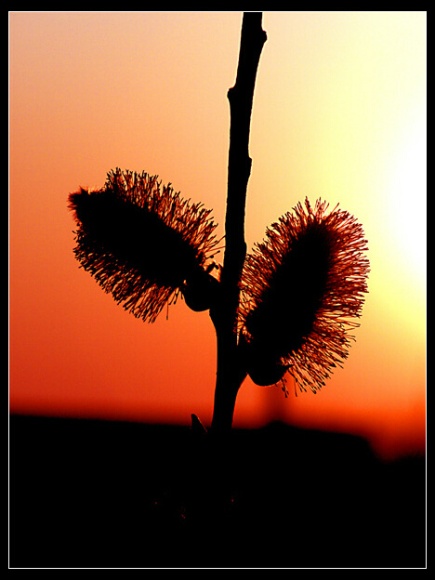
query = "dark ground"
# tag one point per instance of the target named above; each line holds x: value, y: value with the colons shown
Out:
x: 102, y: 494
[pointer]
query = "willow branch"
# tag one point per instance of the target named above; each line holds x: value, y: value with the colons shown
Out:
x: 230, y: 374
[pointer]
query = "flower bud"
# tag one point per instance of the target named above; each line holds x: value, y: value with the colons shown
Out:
x: 200, y: 291
x: 141, y: 242
x: 302, y: 289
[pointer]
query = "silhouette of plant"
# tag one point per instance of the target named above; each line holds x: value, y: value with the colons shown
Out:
x: 304, y: 287
x: 286, y: 308
x: 121, y: 222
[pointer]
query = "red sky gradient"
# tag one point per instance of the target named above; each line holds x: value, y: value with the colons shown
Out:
x: 339, y: 112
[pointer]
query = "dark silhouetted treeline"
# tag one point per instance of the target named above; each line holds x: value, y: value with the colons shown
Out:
x: 111, y: 494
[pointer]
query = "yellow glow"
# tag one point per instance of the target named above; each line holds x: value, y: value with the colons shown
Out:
x: 406, y: 197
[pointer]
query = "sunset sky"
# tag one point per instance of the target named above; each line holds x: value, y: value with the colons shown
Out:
x: 339, y: 112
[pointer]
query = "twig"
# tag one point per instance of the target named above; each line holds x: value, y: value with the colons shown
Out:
x: 230, y: 370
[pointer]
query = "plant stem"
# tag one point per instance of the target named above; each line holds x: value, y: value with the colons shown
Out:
x: 230, y: 371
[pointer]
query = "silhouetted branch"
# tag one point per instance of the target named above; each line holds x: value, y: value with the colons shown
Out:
x: 285, y: 309
x: 230, y: 372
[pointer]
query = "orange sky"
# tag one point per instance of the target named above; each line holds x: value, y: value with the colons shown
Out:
x: 339, y: 112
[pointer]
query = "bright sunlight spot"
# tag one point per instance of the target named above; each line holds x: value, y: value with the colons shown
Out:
x: 407, y: 200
